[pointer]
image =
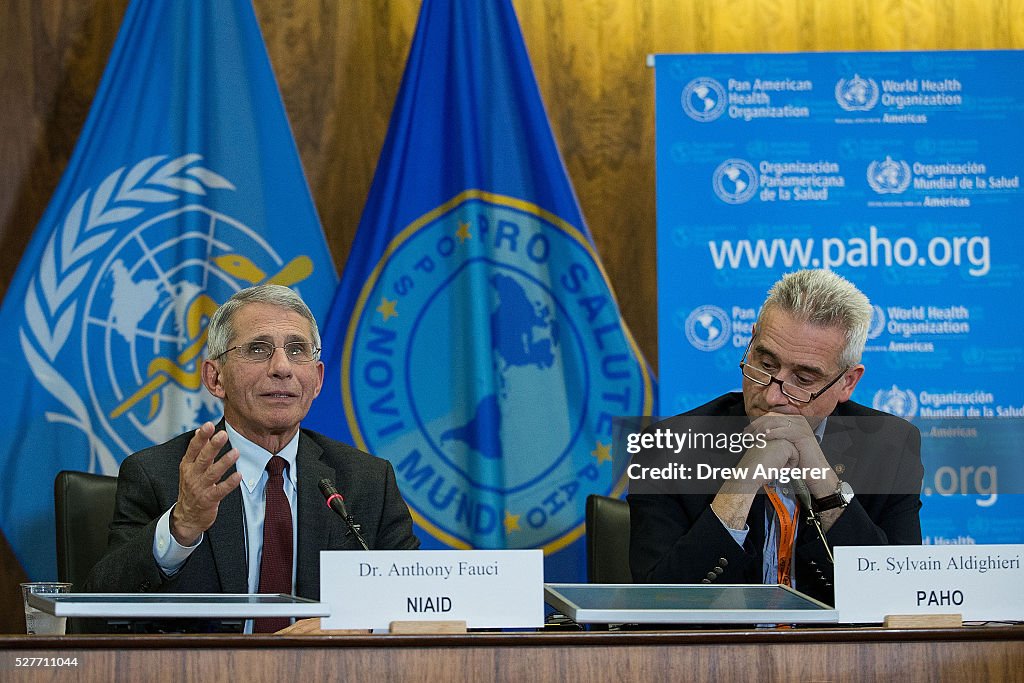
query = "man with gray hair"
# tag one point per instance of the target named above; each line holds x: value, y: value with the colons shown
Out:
x: 799, y: 371
x: 211, y: 511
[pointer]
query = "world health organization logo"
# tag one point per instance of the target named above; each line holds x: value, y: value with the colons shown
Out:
x: 707, y: 328
x: 735, y: 181
x: 857, y: 93
x: 703, y: 99
x: 877, y: 325
x: 118, y: 339
x: 899, y: 402
x: 485, y: 358
x: 889, y: 176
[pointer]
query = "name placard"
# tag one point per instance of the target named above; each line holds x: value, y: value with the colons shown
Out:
x: 484, y: 588
x: 979, y: 582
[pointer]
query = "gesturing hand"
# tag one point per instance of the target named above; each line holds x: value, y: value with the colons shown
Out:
x: 200, y: 489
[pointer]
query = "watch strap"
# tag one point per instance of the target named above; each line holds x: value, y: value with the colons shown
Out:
x: 840, y: 499
x: 830, y: 502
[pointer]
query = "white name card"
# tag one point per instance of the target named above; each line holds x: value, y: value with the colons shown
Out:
x: 484, y: 588
x: 979, y: 582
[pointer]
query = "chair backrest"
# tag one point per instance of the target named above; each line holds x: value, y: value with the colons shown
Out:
x: 607, y: 540
x: 84, y: 506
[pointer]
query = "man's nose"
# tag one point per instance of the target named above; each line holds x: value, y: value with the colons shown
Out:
x: 279, y: 365
x: 774, y: 395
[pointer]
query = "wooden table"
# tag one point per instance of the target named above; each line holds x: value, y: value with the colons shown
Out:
x: 976, y: 654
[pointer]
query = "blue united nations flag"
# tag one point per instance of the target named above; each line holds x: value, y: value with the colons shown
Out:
x: 184, y: 187
x: 476, y: 342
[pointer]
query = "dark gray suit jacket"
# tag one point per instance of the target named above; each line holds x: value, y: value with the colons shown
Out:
x: 148, y: 486
x: 679, y: 539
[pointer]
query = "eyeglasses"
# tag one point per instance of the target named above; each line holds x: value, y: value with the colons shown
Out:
x: 262, y: 351
x: 790, y: 391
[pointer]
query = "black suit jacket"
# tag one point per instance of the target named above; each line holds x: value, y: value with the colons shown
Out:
x: 148, y: 486
x: 679, y: 539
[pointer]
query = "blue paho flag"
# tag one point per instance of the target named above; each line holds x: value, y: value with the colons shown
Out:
x: 476, y: 341
x: 185, y: 186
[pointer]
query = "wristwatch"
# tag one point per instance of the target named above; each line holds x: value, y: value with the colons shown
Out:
x: 840, y: 499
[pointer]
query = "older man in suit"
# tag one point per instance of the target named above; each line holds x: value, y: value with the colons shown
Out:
x: 799, y: 372
x: 235, y: 507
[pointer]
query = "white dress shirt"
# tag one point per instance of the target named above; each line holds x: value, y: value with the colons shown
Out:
x: 252, y: 463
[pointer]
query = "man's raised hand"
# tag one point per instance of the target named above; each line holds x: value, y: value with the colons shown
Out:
x: 200, y: 485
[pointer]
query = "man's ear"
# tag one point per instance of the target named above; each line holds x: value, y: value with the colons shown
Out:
x: 212, y: 378
x: 849, y: 382
x: 319, y: 378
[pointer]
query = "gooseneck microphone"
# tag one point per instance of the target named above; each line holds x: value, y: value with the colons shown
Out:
x: 803, y: 494
x: 336, y: 502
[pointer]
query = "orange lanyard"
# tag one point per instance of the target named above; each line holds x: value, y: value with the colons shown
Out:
x: 787, y: 532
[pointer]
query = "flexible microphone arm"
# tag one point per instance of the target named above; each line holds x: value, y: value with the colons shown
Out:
x: 803, y: 494
x: 336, y: 502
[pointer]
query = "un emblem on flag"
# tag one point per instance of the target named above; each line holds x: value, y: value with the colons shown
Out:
x: 116, y: 315
x: 486, y: 359
x: 146, y: 316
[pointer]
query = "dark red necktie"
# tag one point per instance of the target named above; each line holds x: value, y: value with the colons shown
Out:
x: 276, y: 564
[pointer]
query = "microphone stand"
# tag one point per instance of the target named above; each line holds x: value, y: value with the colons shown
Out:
x: 355, y: 531
x: 336, y: 502
x: 803, y: 494
x: 815, y: 519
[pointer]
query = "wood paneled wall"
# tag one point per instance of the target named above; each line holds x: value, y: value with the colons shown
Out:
x: 339, y: 63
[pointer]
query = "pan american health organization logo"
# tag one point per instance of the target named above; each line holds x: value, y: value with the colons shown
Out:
x: 704, y: 99
x: 857, y: 93
x: 116, y: 315
x: 735, y: 181
x: 486, y: 359
x: 707, y: 328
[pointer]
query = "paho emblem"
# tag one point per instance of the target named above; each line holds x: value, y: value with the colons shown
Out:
x: 735, y: 181
x: 486, y: 359
x: 707, y: 328
x: 703, y: 99
x: 116, y: 315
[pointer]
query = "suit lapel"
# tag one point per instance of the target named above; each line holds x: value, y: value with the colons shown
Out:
x: 755, y: 520
x: 316, y: 521
x: 837, y: 445
x: 227, y: 539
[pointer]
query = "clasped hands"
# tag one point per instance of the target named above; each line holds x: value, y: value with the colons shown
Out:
x: 789, y: 442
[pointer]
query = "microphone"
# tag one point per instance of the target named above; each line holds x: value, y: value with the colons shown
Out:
x: 803, y: 494
x: 336, y: 502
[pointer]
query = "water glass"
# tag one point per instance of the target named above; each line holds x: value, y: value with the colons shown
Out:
x: 39, y: 622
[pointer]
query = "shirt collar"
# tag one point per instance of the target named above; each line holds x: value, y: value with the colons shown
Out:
x: 253, y: 459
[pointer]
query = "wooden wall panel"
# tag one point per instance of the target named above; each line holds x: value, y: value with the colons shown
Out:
x: 339, y: 62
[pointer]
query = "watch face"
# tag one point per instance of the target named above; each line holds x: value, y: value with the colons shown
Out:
x: 845, y: 492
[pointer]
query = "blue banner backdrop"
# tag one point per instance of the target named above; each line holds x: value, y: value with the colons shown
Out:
x: 900, y: 171
x: 184, y: 187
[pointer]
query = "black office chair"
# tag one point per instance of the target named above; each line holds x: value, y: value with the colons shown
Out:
x: 84, y: 506
x: 607, y: 540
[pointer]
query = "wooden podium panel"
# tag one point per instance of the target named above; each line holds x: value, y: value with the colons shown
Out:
x: 970, y: 653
